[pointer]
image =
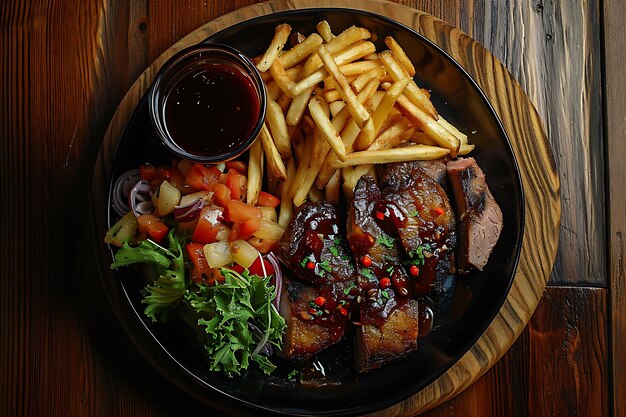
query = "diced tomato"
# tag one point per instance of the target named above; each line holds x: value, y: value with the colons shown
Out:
x: 267, y: 200
x: 221, y: 194
x: 200, y: 265
x: 201, y: 177
x: 240, y: 166
x: 237, y: 268
x: 147, y: 172
x: 239, y: 212
x: 245, y: 230
x: 208, y: 225
x: 152, y: 226
x: 236, y: 183
x: 257, y: 269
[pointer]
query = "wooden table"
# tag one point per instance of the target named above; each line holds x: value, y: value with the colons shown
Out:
x: 67, y: 65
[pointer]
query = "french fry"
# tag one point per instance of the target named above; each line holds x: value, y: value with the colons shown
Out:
x: 333, y: 189
x: 403, y: 154
x: 281, y: 77
x: 413, y: 92
x: 336, y: 107
x: 278, y: 127
x: 400, y: 55
x: 396, y: 134
x: 273, y: 90
x: 362, y: 79
x: 359, y: 113
x: 286, y: 204
x: 255, y: 172
x: 427, y: 124
x: 331, y: 96
x: 355, y: 51
x: 315, y: 194
x: 382, y: 111
x: 284, y: 101
x: 301, y: 51
x: 326, y: 128
x: 307, y: 82
x: 349, y: 134
x: 281, y: 35
x: 356, y: 68
x: 324, y: 30
x: 298, y: 107
x: 301, y: 169
x: 465, y: 149
x: 274, y: 161
x: 452, y: 129
x: 422, y: 138
x: 337, y: 44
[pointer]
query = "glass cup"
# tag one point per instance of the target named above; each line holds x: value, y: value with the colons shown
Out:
x: 207, y: 103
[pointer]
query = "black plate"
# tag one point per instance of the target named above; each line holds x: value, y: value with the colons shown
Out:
x: 472, y: 301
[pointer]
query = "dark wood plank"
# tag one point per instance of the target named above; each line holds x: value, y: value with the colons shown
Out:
x: 559, y: 366
x: 614, y: 24
x: 552, y: 49
x: 62, y: 352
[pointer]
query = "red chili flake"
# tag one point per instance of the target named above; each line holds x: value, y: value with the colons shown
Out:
x: 366, y: 260
x: 311, y: 310
x: 414, y: 270
x: 343, y: 311
x: 439, y: 211
x: 380, y: 216
x: 319, y: 301
x: 385, y: 282
x: 310, y: 265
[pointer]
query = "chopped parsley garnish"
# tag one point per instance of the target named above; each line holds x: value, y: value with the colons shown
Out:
x: 347, y: 290
x: 417, y: 255
x: 292, y: 375
x: 367, y: 273
x: 414, y: 213
x: 334, y: 250
x: 390, y: 270
x: 386, y: 241
x: 325, y: 266
x: 306, y: 260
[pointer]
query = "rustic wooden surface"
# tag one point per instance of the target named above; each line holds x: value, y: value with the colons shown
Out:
x: 67, y: 65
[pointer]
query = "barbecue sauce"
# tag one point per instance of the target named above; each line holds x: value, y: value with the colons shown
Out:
x: 212, y: 109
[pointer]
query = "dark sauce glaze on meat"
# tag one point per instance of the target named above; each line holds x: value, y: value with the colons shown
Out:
x: 417, y: 210
x: 315, y: 250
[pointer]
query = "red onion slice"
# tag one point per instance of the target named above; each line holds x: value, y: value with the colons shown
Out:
x: 278, y: 278
x: 190, y: 211
x: 139, y: 195
x: 121, y: 191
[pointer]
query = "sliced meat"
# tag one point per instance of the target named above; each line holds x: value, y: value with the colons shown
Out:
x: 312, y: 328
x: 314, y: 246
x: 418, y: 210
x: 435, y: 169
x: 388, y: 321
x: 478, y: 215
x: 319, y: 298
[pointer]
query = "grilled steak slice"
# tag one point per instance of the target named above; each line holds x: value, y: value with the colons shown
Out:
x: 435, y: 169
x: 418, y: 209
x: 314, y: 247
x: 388, y: 321
x: 315, y: 250
x: 478, y: 215
x: 312, y: 328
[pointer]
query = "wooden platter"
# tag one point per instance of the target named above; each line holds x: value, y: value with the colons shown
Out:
x: 529, y: 143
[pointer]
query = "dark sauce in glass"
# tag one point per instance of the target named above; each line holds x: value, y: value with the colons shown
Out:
x: 212, y: 109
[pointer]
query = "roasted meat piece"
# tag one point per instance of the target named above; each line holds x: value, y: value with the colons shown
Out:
x: 319, y: 298
x: 388, y: 324
x: 479, y: 217
x: 417, y: 209
x: 312, y: 328
x: 313, y: 246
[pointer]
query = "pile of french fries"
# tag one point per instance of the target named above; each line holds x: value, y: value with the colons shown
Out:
x: 336, y: 107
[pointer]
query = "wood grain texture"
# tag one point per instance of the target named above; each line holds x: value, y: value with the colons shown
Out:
x: 553, y: 49
x: 523, y: 127
x: 570, y: 328
x: 65, y: 67
x: 614, y: 19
